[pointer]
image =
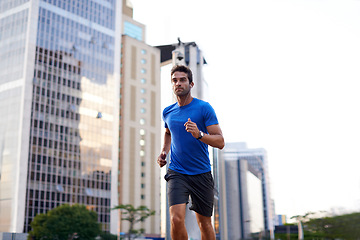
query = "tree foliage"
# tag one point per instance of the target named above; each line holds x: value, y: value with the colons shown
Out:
x: 133, y: 215
x: 64, y: 223
x: 338, y: 227
x: 345, y: 227
x: 107, y: 236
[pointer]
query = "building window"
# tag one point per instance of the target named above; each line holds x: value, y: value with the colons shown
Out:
x: 142, y: 196
x: 143, y: 70
x: 143, y: 90
x: 133, y: 31
x: 143, y: 100
x: 143, y: 61
x: 142, y: 121
x: 143, y: 110
x: 142, y: 153
x: 143, y: 51
x: 143, y: 80
x: 142, y: 132
x: 142, y: 142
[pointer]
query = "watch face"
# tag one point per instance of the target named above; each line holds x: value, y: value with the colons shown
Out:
x: 201, y: 134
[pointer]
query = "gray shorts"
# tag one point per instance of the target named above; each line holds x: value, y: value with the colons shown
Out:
x: 199, y: 187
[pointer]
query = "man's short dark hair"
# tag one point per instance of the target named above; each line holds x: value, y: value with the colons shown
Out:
x: 183, y: 68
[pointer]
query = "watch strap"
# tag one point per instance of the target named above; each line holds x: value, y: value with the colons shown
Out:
x: 201, y: 134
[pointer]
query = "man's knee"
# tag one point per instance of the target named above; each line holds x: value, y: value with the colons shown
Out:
x: 177, y: 219
x: 177, y: 214
x: 205, y: 225
x: 204, y: 222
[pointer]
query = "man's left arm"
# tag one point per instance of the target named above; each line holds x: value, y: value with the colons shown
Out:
x: 214, y: 138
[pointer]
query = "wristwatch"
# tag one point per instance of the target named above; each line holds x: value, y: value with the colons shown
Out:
x: 201, y: 134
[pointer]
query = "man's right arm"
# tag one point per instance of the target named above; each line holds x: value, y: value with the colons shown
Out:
x: 166, y: 148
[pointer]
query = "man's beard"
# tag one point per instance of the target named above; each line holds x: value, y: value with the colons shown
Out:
x: 184, y: 92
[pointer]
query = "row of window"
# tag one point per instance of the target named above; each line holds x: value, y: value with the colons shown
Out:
x: 60, y: 138
x: 54, y: 160
x: 57, y: 80
x: 58, y: 96
x: 61, y: 166
x: 57, y: 179
x: 41, y: 196
x: 53, y: 127
x: 57, y: 112
x: 8, y: 4
x: 102, y: 14
x: 55, y: 144
x: 57, y: 66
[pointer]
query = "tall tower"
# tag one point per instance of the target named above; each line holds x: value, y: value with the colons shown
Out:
x: 59, y: 93
x: 243, y: 184
x: 189, y: 54
x: 140, y: 119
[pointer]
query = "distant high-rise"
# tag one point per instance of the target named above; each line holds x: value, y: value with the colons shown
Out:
x: 140, y: 119
x: 189, y: 54
x: 244, y: 207
x: 59, y: 95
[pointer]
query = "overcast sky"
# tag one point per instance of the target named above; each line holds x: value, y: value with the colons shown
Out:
x: 284, y: 75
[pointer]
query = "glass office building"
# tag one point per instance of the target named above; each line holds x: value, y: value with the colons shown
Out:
x: 243, y: 183
x: 59, y: 93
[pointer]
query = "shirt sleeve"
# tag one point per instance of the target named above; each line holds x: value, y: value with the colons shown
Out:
x: 209, y: 115
x: 163, y: 117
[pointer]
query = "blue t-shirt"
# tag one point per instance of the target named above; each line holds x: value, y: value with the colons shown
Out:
x: 189, y: 155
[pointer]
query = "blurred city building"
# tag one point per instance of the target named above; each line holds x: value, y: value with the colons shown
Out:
x: 140, y: 122
x: 280, y: 220
x: 286, y: 229
x: 189, y: 54
x: 244, y: 207
x: 13, y: 236
x: 59, y: 89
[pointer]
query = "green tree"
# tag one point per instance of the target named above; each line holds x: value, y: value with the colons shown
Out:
x: 65, y: 222
x: 345, y: 226
x: 107, y: 236
x: 133, y: 215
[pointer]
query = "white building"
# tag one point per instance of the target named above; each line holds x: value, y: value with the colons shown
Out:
x: 245, y: 205
x: 140, y: 123
x: 189, y: 54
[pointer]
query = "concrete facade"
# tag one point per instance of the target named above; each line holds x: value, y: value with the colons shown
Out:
x: 140, y: 123
x: 244, y: 196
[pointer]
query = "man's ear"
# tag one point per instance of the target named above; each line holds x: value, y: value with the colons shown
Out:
x: 191, y: 84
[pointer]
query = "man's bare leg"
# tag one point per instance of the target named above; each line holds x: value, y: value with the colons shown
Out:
x: 177, y: 221
x: 206, y: 228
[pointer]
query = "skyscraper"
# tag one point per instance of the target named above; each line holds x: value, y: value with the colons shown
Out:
x: 188, y: 54
x: 139, y: 175
x: 59, y: 95
x: 245, y: 205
